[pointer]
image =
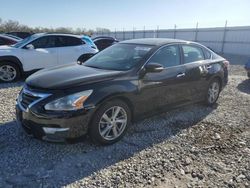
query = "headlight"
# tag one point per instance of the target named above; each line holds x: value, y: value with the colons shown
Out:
x: 70, y: 102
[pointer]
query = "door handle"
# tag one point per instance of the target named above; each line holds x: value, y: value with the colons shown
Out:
x: 180, y: 75
x: 208, y: 66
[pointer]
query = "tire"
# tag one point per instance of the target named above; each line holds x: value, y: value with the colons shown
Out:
x: 213, y: 92
x: 102, y: 131
x: 9, y: 72
x: 248, y: 74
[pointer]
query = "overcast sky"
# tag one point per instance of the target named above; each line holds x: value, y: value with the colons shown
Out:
x: 119, y: 14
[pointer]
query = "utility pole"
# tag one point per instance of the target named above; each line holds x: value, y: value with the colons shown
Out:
x: 144, y: 32
x: 196, y: 32
x: 123, y: 34
x: 174, y: 31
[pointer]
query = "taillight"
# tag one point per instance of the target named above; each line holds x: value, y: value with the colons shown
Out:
x: 226, y: 63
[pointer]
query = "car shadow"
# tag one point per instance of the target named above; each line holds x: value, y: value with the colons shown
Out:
x: 28, y: 162
x: 244, y: 86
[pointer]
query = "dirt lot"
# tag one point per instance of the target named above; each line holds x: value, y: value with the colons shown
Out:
x: 195, y: 146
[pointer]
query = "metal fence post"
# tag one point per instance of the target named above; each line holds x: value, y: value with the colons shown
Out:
x: 174, y: 31
x: 144, y: 32
x: 224, y: 37
x: 196, y: 32
x: 133, y: 32
x: 157, y: 31
x: 123, y: 34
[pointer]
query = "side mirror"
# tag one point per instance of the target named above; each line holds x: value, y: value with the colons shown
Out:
x: 30, y: 47
x: 154, y: 67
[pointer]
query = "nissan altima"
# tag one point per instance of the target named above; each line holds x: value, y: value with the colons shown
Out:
x: 127, y: 81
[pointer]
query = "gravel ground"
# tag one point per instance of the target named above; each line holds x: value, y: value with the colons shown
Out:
x: 195, y: 146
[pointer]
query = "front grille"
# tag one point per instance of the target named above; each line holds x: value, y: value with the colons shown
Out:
x: 27, y: 98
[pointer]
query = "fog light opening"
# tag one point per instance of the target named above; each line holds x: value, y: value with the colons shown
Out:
x: 49, y: 130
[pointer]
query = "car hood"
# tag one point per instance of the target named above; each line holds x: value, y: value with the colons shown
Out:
x: 67, y: 76
x: 5, y: 47
x: 7, y: 50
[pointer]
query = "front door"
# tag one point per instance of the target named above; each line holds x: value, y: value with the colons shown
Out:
x: 44, y: 54
x: 166, y: 88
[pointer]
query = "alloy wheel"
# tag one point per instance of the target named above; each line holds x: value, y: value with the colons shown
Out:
x: 113, y: 123
x: 7, y: 73
x: 213, y: 92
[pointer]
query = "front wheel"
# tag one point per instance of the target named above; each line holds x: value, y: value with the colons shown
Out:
x: 110, y: 122
x: 9, y: 72
x: 213, y: 92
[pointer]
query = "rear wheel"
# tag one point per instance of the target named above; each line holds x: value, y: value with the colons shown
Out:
x: 213, y: 92
x: 9, y: 72
x: 110, y: 122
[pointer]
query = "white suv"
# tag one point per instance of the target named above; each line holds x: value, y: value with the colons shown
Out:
x: 42, y: 51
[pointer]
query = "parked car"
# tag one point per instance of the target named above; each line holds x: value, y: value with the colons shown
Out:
x: 13, y: 36
x: 41, y: 51
x: 129, y: 80
x: 247, y: 67
x: 20, y: 34
x: 103, y: 42
x: 89, y: 41
x: 7, y: 40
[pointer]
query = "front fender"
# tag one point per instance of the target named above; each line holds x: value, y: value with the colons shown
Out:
x: 12, y: 59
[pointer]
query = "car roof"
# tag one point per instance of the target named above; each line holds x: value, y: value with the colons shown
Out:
x: 103, y: 37
x: 57, y: 34
x: 12, y: 36
x: 154, y: 41
x: 9, y: 37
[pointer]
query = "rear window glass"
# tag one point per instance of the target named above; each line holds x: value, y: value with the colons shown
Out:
x: 207, y: 54
x: 192, y: 53
x: 64, y: 41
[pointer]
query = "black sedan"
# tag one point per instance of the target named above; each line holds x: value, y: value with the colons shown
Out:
x: 130, y: 80
x: 103, y: 42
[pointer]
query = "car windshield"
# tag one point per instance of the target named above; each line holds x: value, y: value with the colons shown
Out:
x: 119, y: 57
x: 24, y: 41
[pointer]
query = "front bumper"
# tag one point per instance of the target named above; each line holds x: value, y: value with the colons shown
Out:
x: 51, y: 127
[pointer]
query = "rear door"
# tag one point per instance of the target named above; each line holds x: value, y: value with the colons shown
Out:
x: 194, y: 61
x: 69, y: 49
x: 43, y: 55
x: 165, y: 88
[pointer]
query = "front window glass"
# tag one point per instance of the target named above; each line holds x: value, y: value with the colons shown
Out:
x: 24, y: 41
x: 207, y: 54
x: 44, y: 42
x: 119, y: 57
